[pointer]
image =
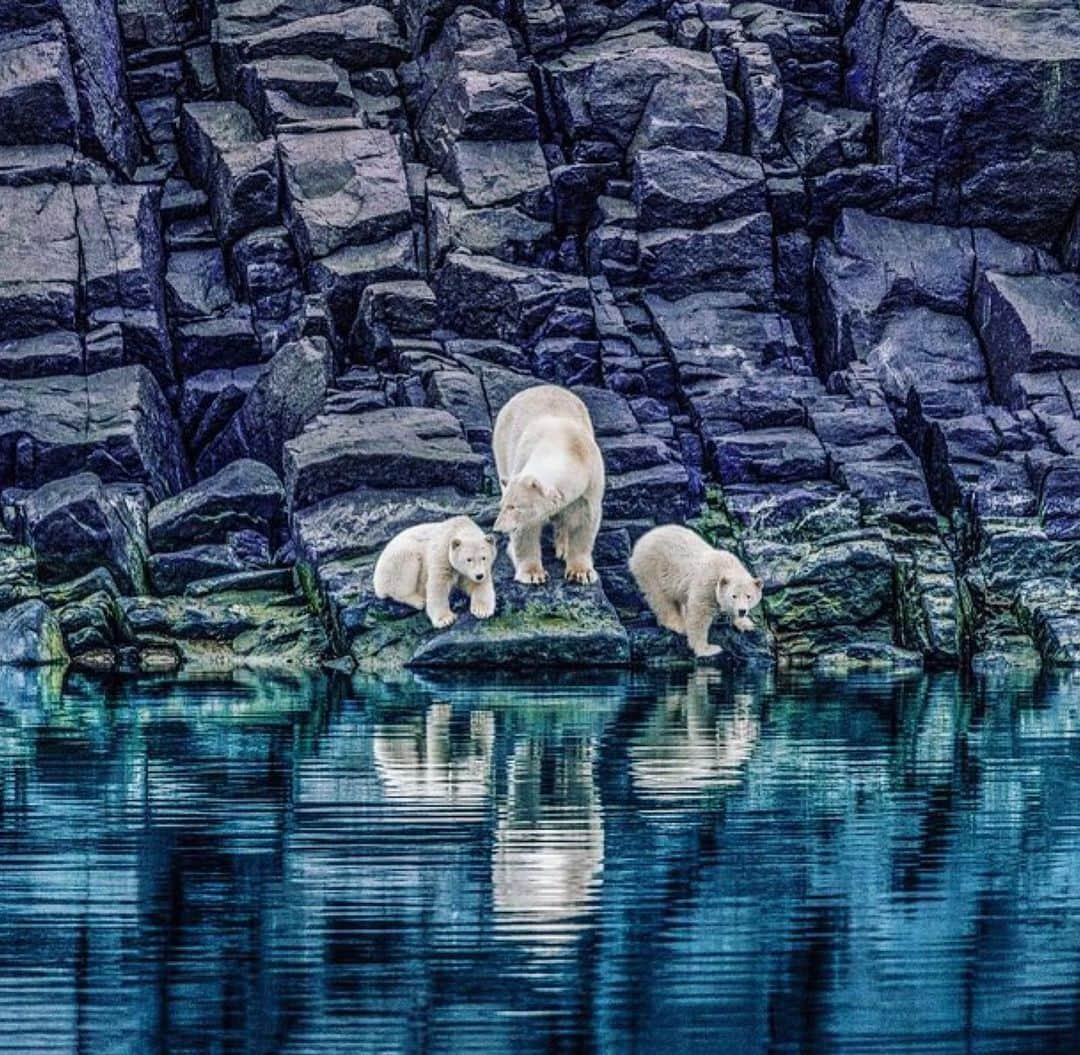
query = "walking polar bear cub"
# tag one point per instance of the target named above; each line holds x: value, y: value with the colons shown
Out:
x: 686, y: 582
x: 550, y: 468
x: 422, y: 565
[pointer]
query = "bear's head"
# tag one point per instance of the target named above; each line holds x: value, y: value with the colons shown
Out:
x: 526, y: 501
x: 472, y: 554
x: 737, y: 594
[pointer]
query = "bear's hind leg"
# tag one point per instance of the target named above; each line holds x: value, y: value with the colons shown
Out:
x: 669, y: 616
x: 525, y: 553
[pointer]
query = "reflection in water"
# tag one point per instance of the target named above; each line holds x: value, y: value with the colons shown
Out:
x: 418, y: 758
x: 713, y: 862
x: 691, y: 745
x: 549, y: 843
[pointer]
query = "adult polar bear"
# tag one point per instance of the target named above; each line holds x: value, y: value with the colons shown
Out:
x: 550, y: 468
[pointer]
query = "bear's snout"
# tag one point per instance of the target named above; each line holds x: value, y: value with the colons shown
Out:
x: 743, y: 611
x: 479, y: 576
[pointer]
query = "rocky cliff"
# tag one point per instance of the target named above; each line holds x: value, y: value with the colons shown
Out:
x: 271, y: 267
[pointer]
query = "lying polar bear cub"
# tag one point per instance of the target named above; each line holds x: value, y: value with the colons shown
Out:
x: 686, y: 582
x: 550, y: 468
x: 422, y: 565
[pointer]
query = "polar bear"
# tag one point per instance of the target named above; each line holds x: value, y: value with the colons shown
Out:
x: 686, y: 582
x: 422, y: 565
x: 550, y: 468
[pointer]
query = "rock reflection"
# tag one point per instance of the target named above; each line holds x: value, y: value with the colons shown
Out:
x: 693, y: 741
x: 548, y: 852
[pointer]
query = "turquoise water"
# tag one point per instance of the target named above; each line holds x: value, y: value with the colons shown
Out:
x: 713, y: 863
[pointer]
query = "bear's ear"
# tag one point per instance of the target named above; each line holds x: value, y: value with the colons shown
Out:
x: 535, y: 484
x: 455, y: 543
x: 759, y: 584
x: 723, y: 583
x: 504, y: 482
x: 493, y: 542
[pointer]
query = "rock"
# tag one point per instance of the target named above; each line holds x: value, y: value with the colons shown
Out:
x: 226, y: 630
x: 243, y: 551
x: 226, y: 155
x: 244, y: 496
x: 733, y: 255
x: 1027, y: 324
x: 38, y: 103
x: 285, y: 396
x: 40, y: 250
x: 30, y: 636
x: 119, y: 230
x: 483, y: 297
x: 978, y: 104
x: 343, y: 188
x: 874, y: 267
x: 601, y: 90
x: 226, y: 341
x: 769, y: 456
x: 77, y: 524
x: 680, y: 188
x: 195, y: 284
x: 115, y: 423
x: 359, y: 37
x: 337, y: 453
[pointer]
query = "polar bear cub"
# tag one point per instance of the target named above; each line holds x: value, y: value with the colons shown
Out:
x: 686, y: 582
x: 550, y: 468
x: 422, y: 565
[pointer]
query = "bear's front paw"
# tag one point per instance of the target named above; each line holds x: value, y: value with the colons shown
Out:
x: 743, y: 623
x: 581, y: 573
x: 442, y: 621
x: 707, y: 651
x: 531, y: 575
x: 482, y: 610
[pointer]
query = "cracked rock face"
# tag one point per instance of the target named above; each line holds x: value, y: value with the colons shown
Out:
x: 268, y: 272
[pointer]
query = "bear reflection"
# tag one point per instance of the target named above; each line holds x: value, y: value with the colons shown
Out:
x: 436, y: 757
x: 693, y: 741
x: 549, y: 843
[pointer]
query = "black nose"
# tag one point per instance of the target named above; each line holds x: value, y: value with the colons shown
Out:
x: 479, y: 576
x: 743, y: 611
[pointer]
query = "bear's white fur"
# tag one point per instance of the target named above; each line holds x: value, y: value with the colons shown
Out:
x: 686, y: 582
x: 422, y: 565
x: 550, y: 468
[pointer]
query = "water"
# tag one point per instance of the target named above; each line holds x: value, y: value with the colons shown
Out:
x: 710, y: 863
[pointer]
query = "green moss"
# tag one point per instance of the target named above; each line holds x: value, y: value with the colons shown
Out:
x: 714, y: 523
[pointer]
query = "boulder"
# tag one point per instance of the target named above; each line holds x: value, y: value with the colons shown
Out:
x: 337, y: 453
x: 38, y: 103
x: 342, y: 189
x: 243, y: 551
x: 222, y: 631
x: 731, y: 255
x: 977, y: 104
x: 119, y: 230
x: 116, y: 424
x: 30, y: 636
x: 225, y: 154
x: 483, y: 297
x: 244, y: 496
x: 40, y: 250
x: 1027, y: 324
x: 285, y: 396
x: 77, y: 524
x: 682, y: 188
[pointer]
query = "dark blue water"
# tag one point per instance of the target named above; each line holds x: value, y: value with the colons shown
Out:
x: 710, y: 863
